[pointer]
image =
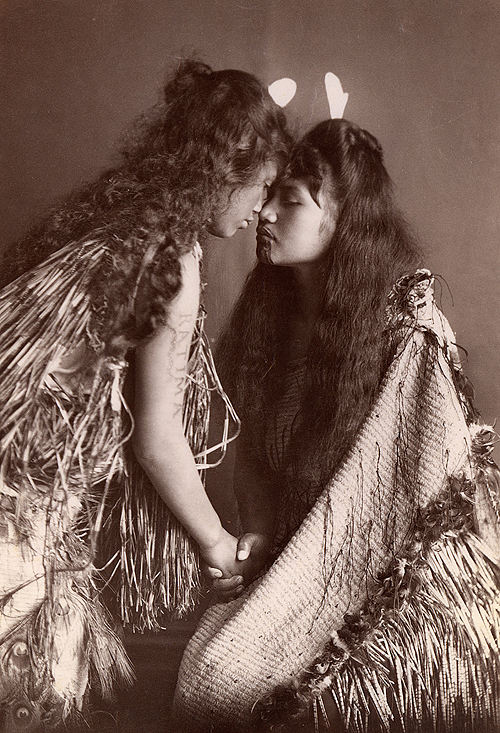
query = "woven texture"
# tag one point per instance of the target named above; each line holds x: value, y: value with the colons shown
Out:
x: 414, y: 439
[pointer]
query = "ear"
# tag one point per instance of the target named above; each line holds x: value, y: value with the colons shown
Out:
x: 337, y: 98
x: 331, y: 218
x: 282, y: 91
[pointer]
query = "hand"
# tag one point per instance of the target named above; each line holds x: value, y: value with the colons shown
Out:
x: 227, y: 589
x: 252, y: 554
x: 220, y: 557
x: 254, y: 549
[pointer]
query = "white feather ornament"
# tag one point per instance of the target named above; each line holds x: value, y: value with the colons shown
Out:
x: 282, y: 91
x: 337, y: 98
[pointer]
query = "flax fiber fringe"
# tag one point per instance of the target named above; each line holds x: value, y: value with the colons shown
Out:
x: 65, y: 468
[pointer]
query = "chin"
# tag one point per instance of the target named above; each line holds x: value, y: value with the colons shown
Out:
x: 220, y: 233
x: 264, y: 255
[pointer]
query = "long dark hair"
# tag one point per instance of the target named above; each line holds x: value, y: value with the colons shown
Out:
x: 212, y: 132
x: 371, y: 248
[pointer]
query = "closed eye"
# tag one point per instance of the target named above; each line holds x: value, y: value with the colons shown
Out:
x: 289, y: 196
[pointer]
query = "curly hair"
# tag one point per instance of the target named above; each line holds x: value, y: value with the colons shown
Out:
x: 212, y: 132
x: 371, y: 248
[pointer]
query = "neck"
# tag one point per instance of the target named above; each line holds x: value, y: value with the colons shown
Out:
x: 309, y: 281
x: 310, y: 292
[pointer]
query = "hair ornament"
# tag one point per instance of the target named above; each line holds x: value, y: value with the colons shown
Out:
x: 283, y: 91
x: 337, y: 98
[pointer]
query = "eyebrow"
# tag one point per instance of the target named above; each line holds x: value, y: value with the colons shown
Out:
x: 289, y: 188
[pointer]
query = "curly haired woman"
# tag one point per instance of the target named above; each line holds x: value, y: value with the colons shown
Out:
x: 364, y: 482
x: 104, y: 390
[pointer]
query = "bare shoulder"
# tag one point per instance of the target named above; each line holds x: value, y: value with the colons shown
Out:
x: 187, y: 300
x: 162, y: 359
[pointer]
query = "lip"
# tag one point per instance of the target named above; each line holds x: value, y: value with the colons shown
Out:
x: 264, y: 232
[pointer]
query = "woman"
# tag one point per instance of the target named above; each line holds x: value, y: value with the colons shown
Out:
x: 102, y: 341
x: 361, y: 472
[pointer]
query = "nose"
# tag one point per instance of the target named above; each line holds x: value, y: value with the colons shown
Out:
x: 258, y: 206
x: 268, y: 211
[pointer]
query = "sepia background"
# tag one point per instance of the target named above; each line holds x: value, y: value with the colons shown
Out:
x: 422, y: 75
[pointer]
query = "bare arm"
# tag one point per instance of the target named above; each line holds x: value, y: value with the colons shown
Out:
x: 159, y: 441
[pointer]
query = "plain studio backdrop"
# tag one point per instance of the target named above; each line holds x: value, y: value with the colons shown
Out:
x: 422, y: 75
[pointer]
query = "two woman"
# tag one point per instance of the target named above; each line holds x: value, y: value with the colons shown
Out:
x: 104, y: 392
x: 362, y: 479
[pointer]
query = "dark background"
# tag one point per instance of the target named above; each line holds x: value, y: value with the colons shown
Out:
x: 422, y: 75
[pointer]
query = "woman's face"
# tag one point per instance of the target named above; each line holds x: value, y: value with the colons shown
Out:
x: 293, y: 230
x: 243, y: 203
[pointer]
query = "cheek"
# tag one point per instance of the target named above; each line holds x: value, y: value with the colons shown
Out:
x: 222, y: 226
x: 253, y: 201
x: 306, y: 230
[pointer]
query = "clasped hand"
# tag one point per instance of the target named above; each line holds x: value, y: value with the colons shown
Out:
x: 228, y: 579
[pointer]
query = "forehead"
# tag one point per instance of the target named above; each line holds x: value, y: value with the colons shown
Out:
x: 295, y: 186
x: 265, y: 176
x: 268, y: 172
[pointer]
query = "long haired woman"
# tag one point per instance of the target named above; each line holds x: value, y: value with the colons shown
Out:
x: 363, y: 479
x: 104, y: 391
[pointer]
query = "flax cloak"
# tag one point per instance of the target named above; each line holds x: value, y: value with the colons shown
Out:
x: 69, y: 482
x: 383, y: 611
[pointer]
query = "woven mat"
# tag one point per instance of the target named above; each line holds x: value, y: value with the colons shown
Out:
x: 414, y: 438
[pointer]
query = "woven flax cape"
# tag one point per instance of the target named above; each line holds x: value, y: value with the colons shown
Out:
x: 383, y: 611
x: 68, y: 483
